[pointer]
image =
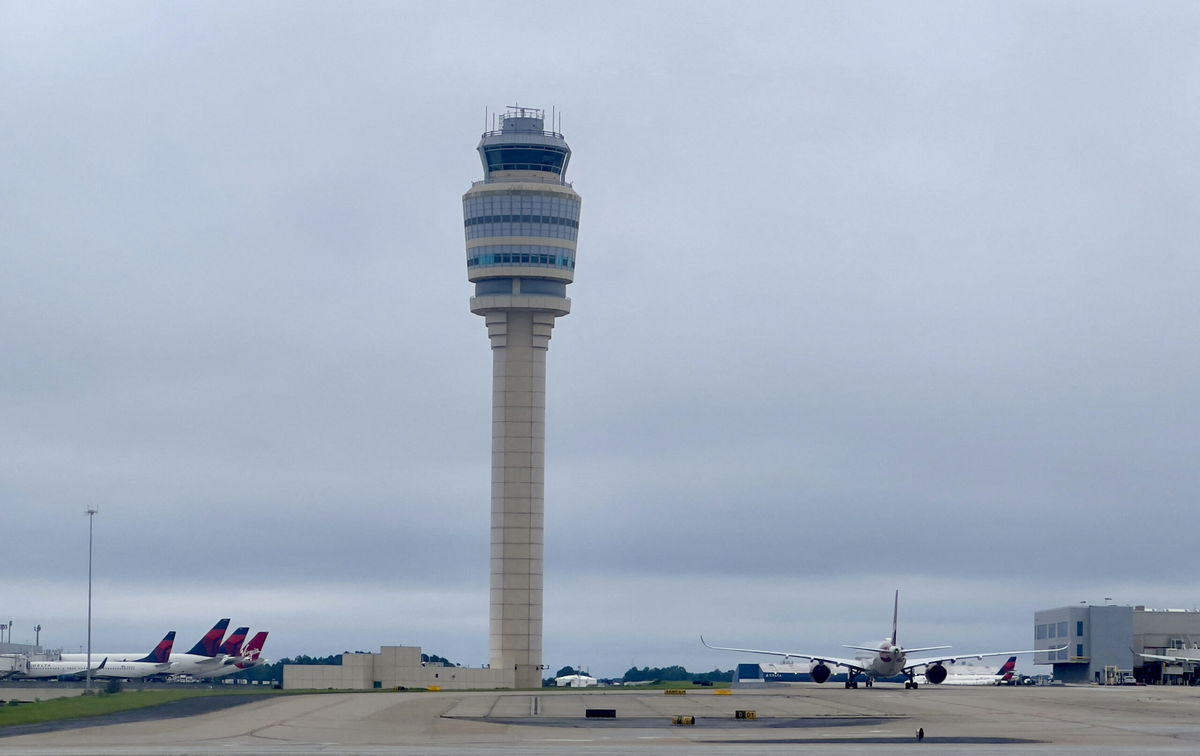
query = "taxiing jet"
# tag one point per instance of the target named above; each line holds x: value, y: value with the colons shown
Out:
x: 888, y: 659
x: 156, y: 662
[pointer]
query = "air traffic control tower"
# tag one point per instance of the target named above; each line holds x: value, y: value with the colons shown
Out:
x: 521, y: 224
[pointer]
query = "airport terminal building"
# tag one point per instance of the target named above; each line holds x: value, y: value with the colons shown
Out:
x: 1104, y: 641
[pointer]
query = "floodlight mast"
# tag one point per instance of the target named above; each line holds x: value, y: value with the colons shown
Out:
x: 91, y: 513
x: 521, y: 224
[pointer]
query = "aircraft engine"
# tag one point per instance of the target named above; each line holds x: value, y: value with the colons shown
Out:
x: 935, y: 674
x: 820, y: 672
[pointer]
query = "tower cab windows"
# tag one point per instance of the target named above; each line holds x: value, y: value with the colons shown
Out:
x: 525, y: 158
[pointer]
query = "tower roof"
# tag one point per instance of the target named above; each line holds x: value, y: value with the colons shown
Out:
x: 522, y: 143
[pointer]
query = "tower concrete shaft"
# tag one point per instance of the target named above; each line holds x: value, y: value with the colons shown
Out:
x: 521, y: 225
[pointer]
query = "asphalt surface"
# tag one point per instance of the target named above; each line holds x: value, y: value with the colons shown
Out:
x: 796, y: 719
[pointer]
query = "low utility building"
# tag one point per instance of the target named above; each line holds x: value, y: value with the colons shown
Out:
x: 393, y: 667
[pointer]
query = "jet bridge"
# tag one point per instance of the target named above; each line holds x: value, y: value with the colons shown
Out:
x: 12, y: 665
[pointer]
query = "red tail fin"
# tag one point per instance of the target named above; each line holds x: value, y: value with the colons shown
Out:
x: 1007, y: 669
x: 252, y: 650
x: 233, y: 644
x: 162, y: 652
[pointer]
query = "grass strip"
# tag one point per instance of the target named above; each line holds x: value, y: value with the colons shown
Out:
x: 75, y: 707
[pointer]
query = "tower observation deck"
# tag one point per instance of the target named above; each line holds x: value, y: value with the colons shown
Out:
x: 521, y: 224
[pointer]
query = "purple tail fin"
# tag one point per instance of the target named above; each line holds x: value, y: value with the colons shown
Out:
x: 162, y: 652
x: 211, y: 642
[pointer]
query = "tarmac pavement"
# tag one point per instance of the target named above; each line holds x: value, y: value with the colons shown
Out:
x: 801, y: 718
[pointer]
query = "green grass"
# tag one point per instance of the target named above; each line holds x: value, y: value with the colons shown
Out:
x: 74, y: 707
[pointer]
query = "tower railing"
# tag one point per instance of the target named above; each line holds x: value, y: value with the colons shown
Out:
x: 523, y: 180
x: 503, y: 132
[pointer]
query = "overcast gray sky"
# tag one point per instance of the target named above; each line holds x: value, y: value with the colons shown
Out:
x: 870, y: 295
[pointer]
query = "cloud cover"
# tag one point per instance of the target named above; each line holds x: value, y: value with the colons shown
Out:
x: 869, y: 296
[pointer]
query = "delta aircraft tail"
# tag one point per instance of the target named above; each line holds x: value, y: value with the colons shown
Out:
x: 1007, y: 669
x: 233, y: 644
x: 162, y: 652
x: 210, y: 644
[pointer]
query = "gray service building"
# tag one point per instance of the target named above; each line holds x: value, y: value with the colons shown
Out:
x: 1109, y: 637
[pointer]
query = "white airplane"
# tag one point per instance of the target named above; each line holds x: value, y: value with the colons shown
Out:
x: 1002, y: 676
x: 222, y: 663
x: 202, y: 657
x: 44, y: 669
x: 241, y: 659
x: 887, y: 659
x: 156, y: 662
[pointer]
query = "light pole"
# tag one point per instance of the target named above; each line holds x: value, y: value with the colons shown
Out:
x: 91, y: 513
x: 37, y: 635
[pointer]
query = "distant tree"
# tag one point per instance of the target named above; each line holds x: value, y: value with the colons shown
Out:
x: 566, y: 671
x: 274, y: 671
x: 435, y: 658
x: 334, y: 659
x: 633, y: 674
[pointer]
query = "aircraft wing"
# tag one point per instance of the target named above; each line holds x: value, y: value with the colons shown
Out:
x: 1176, y: 659
x: 854, y: 664
x: 929, y: 661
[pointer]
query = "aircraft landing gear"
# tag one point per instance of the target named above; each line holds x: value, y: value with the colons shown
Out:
x: 870, y: 682
x: 911, y: 684
x: 851, y: 682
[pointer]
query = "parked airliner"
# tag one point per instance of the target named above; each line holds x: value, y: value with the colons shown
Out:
x: 202, y: 657
x: 42, y: 669
x: 247, y: 657
x: 977, y: 676
x: 229, y: 653
x: 156, y: 662
x: 888, y: 659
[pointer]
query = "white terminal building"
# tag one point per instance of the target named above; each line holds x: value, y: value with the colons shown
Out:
x: 521, y: 223
x: 1092, y: 644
